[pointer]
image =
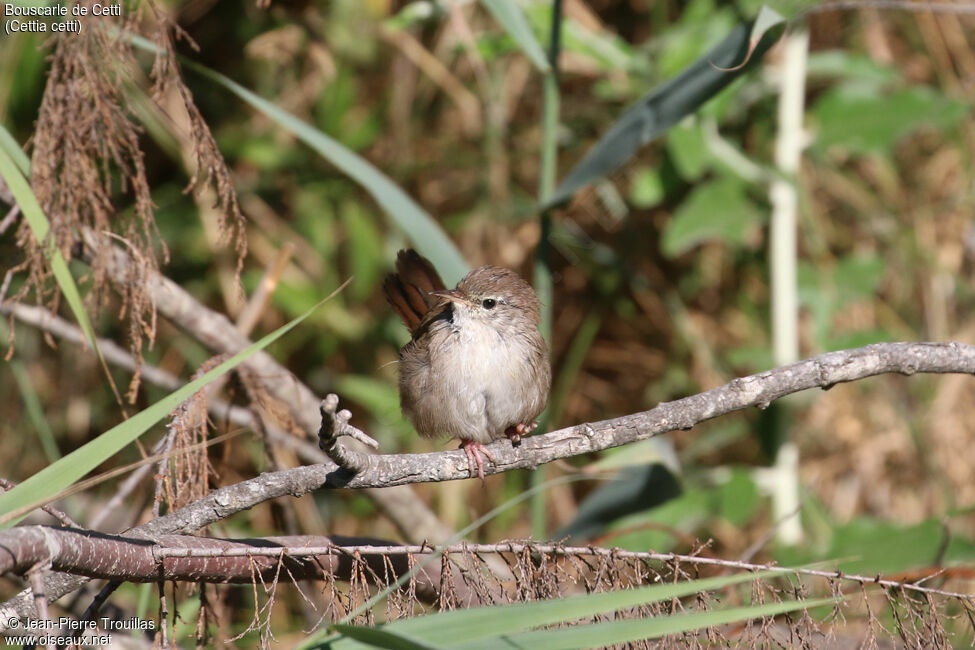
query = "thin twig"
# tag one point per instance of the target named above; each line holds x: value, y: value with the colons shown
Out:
x: 259, y: 300
x: 10, y: 218
x: 91, y: 613
x: 40, y: 595
x: 60, y: 515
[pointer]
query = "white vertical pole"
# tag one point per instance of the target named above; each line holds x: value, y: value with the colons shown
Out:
x: 785, y: 303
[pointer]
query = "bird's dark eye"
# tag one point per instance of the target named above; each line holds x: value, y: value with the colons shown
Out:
x: 489, y: 303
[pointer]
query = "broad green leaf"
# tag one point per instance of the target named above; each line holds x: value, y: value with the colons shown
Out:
x: 642, y: 452
x: 669, y: 103
x: 425, y: 233
x: 868, y: 547
x: 509, y: 15
x: 857, y: 277
x: 719, y: 210
x: 841, y: 64
x: 767, y: 19
x: 857, y: 119
x: 56, y: 477
x: 39, y: 225
x: 689, y: 150
x: 662, y: 528
x: 636, y: 488
x: 738, y: 497
x: 646, y: 188
x: 626, y: 631
x: 378, y: 397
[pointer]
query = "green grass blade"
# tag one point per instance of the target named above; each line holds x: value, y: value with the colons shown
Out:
x: 667, y: 104
x: 513, y: 20
x: 50, y: 481
x: 380, y: 637
x: 425, y: 233
x: 35, y: 412
x: 39, y: 225
x: 9, y: 144
x: 627, y: 631
x: 482, y: 622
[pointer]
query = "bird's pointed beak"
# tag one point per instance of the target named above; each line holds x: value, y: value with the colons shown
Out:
x: 452, y: 295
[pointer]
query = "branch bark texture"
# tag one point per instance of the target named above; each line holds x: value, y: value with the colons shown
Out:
x: 212, y: 560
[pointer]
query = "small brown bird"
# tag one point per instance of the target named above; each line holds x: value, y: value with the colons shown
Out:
x: 477, y: 367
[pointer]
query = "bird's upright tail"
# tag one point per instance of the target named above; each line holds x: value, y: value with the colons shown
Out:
x: 408, y: 290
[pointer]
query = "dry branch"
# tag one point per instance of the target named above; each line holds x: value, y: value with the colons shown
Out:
x: 759, y: 390
x: 243, y: 561
x: 212, y: 560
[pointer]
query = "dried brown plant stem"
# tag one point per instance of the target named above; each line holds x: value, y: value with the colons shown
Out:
x: 467, y: 103
x: 254, y: 309
x: 86, y: 143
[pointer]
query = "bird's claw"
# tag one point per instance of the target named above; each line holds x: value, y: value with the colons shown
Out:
x: 516, y: 431
x: 474, y: 462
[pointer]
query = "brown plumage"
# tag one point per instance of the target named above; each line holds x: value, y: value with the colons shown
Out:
x: 409, y: 289
x: 477, y: 367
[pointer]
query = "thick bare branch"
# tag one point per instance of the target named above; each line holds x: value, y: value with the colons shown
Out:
x: 240, y: 561
x: 205, y: 559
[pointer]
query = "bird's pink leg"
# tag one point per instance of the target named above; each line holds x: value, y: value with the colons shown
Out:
x: 516, y: 431
x: 474, y: 451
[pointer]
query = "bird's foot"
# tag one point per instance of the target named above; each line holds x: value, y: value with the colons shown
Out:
x: 516, y: 431
x: 474, y: 462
